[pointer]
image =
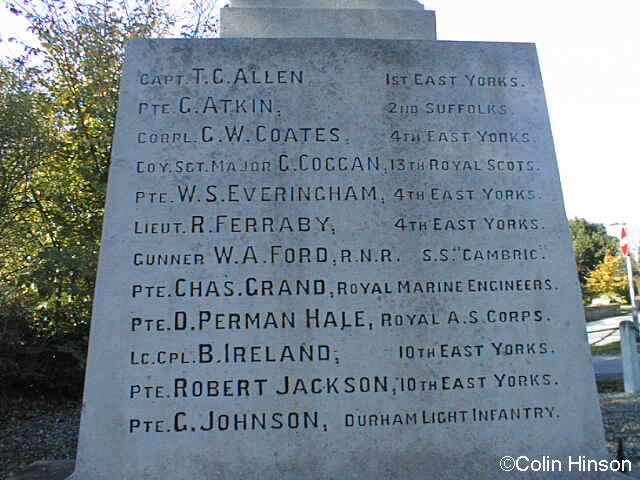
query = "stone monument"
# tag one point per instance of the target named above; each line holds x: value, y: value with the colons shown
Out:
x: 335, y: 258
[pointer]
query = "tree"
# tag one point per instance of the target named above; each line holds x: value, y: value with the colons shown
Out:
x: 25, y: 138
x: 609, y: 278
x: 591, y: 244
x: 57, y: 119
x: 76, y: 70
x: 201, y: 19
x: 56, y: 124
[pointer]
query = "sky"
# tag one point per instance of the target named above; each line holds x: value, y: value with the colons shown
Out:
x: 588, y: 54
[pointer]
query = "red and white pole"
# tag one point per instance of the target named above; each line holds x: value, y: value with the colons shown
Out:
x: 626, y: 252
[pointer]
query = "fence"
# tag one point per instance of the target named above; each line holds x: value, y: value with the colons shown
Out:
x: 629, y: 334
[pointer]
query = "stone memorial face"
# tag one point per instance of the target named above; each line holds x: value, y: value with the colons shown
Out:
x: 334, y: 259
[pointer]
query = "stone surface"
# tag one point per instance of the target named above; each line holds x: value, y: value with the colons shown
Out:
x: 330, y: 4
x: 393, y: 19
x: 334, y: 259
x: 46, y: 470
x: 327, y: 23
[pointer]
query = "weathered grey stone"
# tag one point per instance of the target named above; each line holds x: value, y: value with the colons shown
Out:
x: 369, y: 274
x: 327, y: 23
x: 330, y: 4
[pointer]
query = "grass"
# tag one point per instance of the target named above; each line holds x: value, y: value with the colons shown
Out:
x: 610, y: 386
x: 608, y: 349
x: 625, y: 310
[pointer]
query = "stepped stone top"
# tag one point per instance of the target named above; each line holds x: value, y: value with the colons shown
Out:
x: 373, y: 19
x: 331, y: 4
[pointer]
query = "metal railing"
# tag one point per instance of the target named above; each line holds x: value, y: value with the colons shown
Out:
x: 629, y: 353
x: 629, y: 335
x: 612, y: 330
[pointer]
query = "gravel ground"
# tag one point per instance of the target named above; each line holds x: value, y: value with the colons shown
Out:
x: 32, y: 430
x: 36, y: 429
x: 621, y: 417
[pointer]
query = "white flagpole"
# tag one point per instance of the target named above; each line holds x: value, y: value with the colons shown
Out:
x: 632, y: 294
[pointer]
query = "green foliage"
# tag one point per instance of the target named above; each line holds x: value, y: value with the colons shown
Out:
x: 608, y: 349
x: 591, y: 244
x: 24, y: 139
x: 56, y: 124
x: 57, y: 116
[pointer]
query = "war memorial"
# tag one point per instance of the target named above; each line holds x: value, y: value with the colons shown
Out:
x: 336, y: 248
